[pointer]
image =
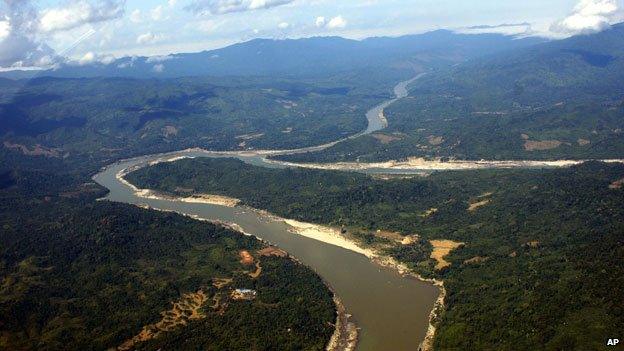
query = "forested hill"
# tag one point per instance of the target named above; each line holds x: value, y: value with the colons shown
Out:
x: 80, y: 274
x: 317, y: 56
x: 556, y: 100
x: 583, y: 67
x: 541, y: 266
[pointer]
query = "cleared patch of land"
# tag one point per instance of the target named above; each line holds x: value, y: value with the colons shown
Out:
x: 618, y: 184
x: 435, y: 140
x: 169, y: 131
x: 475, y: 205
x: 184, y: 310
x: 481, y: 201
x: 38, y: 150
x: 429, y: 212
x: 441, y: 248
x: 246, y: 257
x: 532, y: 145
x: 386, y: 138
x: 476, y: 260
x: 392, y: 236
x: 272, y: 251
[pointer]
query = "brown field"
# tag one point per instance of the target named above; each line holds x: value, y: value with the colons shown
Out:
x: 220, y: 283
x: 475, y: 205
x: 583, y: 142
x: 272, y: 251
x: 429, y: 212
x: 38, y: 150
x: 441, y: 248
x: 410, y: 239
x: 246, y: 257
x: 186, y: 309
x: 385, y: 138
x: 258, y: 271
x: 435, y: 140
x: 531, y: 145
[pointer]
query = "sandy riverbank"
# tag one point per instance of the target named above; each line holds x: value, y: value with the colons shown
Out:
x: 332, y: 236
x: 345, y: 335
x: 327, y: 235
x: 437, y: 165
x: 197, y: 199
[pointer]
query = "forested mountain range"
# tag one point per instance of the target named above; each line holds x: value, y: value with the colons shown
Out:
x: 302, y: 57
x: 560, y: 99
x: 65, y: 256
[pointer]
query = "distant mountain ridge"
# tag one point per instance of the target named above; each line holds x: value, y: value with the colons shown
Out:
x: 580, y: 67
x: 556, y: 100
x: 302, y: 57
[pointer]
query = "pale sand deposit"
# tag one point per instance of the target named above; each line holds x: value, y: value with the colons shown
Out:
x: 345, y: 331
x: 417, y: 163
x: 327, y: 235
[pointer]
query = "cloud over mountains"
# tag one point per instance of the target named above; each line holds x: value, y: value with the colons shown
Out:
x: 589, y: 16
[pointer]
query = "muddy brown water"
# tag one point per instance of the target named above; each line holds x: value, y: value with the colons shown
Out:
x: 391, y: 311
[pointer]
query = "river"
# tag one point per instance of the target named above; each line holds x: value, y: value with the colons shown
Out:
x: 390, y: 310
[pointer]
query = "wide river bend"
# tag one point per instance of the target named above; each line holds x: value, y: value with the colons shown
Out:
x: 392, y: 311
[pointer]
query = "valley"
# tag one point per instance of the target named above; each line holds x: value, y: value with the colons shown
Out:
x: 449, y: 190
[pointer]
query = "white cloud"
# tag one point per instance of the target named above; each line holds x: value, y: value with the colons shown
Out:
x: 107, y: 59
x: 19, y: 43
x: 283, y: 25
x: 127, y: 63
x: 513, y: 29
x: 5, y: 29
x: 320, y: 21
x: 336, y: 22
x: 79, y: 12
x: 207, y: 26
x: 159, y: 68
x: 135, y: 16
x: 219, y: 7
x: 157, y: 13
x: 161, y: 58
x: 91, y: 58
x: 88, y: 58
x: 172, y: 3
x: 149, y: 38
x: 588, y: 16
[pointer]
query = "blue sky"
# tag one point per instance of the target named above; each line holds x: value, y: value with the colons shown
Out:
x: 96, y: 30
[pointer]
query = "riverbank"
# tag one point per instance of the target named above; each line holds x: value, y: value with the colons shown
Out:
x: 345, y: 332
x: 345, y: 335
x: 421, y: 164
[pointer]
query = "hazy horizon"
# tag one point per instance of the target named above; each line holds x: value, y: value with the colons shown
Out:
x: 40, y: 33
